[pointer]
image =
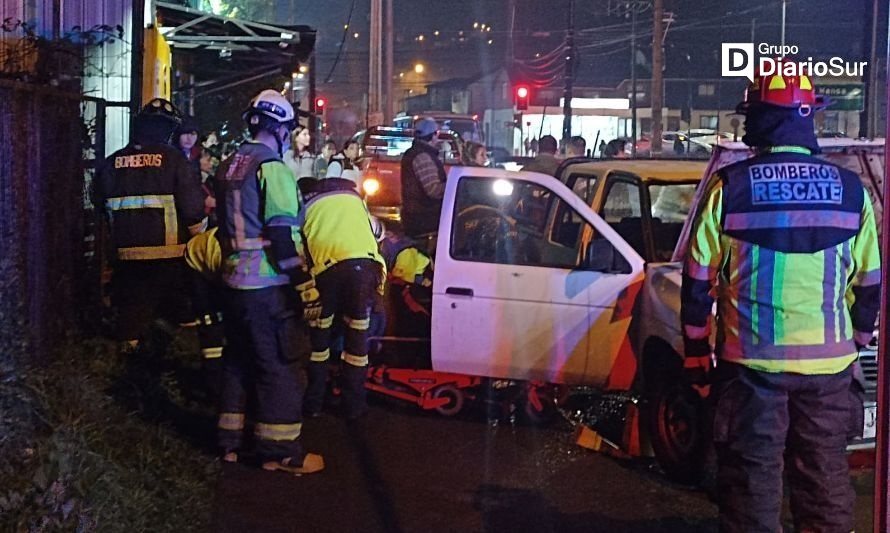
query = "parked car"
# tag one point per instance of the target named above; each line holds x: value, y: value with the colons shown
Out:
x: 382, y: 148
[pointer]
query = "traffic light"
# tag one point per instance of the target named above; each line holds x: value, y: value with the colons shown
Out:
x: 522, y: 93
x: 320, y: 104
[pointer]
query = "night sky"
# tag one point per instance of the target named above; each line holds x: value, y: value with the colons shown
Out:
x: 818, y: 27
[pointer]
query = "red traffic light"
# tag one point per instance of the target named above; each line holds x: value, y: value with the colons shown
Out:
x: 319, y: 104
x: 522, y: 93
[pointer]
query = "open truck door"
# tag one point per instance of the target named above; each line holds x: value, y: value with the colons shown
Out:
x: 530, y: 284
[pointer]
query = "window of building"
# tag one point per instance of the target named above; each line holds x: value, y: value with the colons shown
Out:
x: 706, y: 89
x: 831, y: 122
x: 708, y: 122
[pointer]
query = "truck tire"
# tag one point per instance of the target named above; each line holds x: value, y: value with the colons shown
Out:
x: 455, y: 397
x: 676, y: 423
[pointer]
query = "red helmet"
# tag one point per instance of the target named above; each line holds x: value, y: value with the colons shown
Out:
x: 794, y: 92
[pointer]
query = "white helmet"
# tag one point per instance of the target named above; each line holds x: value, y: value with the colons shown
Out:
x: 269, y: 103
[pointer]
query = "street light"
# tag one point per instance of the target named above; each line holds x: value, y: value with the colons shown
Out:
x: 419, y: 68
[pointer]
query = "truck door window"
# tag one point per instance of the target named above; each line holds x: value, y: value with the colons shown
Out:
x: 671, y: 203
x: 582, y: 186
x: 623, y: 212
x: 505, y: 222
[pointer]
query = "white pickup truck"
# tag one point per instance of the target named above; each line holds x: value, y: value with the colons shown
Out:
x: 575, y: 281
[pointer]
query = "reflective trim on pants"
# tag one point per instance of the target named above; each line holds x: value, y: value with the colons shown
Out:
x: 231, y: 421
x: 318, y: 357
x: 212, y: 352
x: 354, y: 360
x: 359, y: 324
x: 278, y: 432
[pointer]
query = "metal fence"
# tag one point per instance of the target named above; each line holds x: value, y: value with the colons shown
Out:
x: 45, y: 281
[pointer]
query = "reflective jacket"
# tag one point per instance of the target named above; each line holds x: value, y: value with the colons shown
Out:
x: 790, y: 244
x: 420, y: 213
x: 337, y: 226
x: 406, y: 263
x: 153, y: 203
x: 258, y: 208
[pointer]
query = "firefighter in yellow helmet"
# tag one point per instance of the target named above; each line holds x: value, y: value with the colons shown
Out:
x: 347, y: 270
x: 787, y: 242
x: 203, y: 255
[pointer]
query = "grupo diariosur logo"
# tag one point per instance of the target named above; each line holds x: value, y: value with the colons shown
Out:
x: 739, y: 60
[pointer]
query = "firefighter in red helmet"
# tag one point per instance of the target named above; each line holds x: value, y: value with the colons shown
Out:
x: 788, y: 244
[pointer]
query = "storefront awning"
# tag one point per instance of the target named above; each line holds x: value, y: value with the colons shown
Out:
x: 222, y: 52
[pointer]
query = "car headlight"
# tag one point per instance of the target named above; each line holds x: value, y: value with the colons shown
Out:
x: 371, y: 186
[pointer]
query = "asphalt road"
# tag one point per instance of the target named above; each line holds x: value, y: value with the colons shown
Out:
x: 403, y: 470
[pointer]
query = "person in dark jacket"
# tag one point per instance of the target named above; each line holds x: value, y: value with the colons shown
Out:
x: 153, y: 206
x: 423, y: 182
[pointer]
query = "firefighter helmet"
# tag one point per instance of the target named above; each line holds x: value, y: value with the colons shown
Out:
x: 159, y: 107
x: 272, y: 105
x: 792, y: 92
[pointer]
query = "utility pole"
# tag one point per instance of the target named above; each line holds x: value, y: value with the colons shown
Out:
x: 868, y: 116
x: 657, y: 90
x: 137, y: 48
x: 569, y: 75
x: 633, y: 79
x: 310, y: 122
x: 374, y: 66
x: 388, y: 111
x: 784, y: 9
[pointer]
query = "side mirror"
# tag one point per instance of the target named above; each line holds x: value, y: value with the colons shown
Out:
x: 601, y: 256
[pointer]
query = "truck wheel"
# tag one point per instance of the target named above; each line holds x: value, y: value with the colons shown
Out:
x: 676, y: 426
x: 539, y: 405
x: 455, y: 397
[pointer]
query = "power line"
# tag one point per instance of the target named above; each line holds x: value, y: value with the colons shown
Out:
x: 342, y: 42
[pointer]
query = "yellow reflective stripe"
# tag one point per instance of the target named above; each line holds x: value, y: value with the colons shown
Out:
x: 231, y: 421
x: 320, y: 357
x: 360, y: 324
x: 324, y: 322
x: 151, y: 201
x: 214, y: 352
x: 151, y: 252
x: 354, y: 360
x: 278, y: 432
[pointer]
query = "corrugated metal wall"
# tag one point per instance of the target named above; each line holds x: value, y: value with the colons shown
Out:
x: 108, y: 66
x: 42, y: 264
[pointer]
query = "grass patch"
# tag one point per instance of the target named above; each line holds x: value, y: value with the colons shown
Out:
x: 97, y: 441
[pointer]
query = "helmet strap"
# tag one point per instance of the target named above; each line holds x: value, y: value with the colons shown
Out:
x: 805, y: 110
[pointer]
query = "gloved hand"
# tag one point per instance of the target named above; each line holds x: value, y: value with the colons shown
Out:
x: 697, y: 364
x: 697, y: 369
x: 311, y: 300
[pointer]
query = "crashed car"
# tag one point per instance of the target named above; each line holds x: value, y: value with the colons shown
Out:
x: 575, y: 282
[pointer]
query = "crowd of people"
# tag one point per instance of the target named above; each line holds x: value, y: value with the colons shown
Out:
x: 271, y: 253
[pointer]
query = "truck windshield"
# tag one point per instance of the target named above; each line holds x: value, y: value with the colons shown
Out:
x: 387, y: 144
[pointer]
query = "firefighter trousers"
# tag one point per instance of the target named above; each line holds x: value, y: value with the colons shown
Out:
x: 142, y: 291
x: 263, y: 329
x: 347, y: 290
x: 767, y: 423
